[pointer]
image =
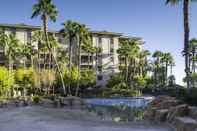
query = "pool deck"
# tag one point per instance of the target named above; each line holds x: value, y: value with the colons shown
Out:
x: 49, y: 119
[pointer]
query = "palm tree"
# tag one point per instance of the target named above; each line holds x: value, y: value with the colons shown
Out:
x: 129, y: 50
x: 186, y: 31
x: 83, y: 39
x: 10, y: 45
x: 144, y: 61
x: 47, y: 10
x: 167, y: 59
x: 123, y: 53
x: 157, y: 66
x: 38, y: 38
x: 192, y: 51
x: 70, y: 32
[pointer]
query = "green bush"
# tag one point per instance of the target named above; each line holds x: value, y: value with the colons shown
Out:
x: 36, y: 99
x: 114, y: 80
x: 24, y: 78
x: 6, y: 80
x: 88, y: 78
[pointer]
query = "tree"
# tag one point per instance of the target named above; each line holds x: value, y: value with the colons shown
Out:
x: 192, y: 55
x: 129, y: 51
x: 167, y: 59
x: 70, y: 33
x: 186, y: 31
x: 47, y: 10
x: 83, y: 39
x: 143, y: 62
x: 6, y: 81
x: 157, y: 70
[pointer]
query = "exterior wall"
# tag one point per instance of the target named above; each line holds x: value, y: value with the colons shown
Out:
x: 106, y: 63
x: 107, y: 60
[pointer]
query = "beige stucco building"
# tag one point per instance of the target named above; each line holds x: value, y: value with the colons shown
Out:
x: 106, y: 62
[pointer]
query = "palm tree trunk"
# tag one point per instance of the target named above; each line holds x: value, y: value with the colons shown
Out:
x: 193, y: 61
x: 10, y: 69
x: 45, y: 22
x: 70, y: 64
x: 39, y: 71
x: 166, y: 78
x: 126, y: 69
x: 186, y: 37
x: 24, y: 68
x: 79, y: 68
x: 171, y: 69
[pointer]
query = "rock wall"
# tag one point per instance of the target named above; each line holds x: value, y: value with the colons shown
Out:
x: 170, y: 110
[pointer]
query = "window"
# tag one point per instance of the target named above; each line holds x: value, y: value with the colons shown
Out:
x: 29, y: 36
x: 13, y: 31
x: 100, y: 40
x: 100, y: 68
x: 100, y: 77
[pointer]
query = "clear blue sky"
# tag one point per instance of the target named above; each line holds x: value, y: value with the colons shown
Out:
x: 159, y: 25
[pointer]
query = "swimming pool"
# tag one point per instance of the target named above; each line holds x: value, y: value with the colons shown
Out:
x: 118, y: 109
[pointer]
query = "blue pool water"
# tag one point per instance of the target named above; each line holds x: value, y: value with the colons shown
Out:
x: 119, y: 109
x: 129, y: 102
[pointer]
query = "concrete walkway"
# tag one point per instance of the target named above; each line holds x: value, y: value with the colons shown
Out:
x: 45, y: 119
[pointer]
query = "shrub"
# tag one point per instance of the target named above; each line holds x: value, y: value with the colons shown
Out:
x: 6, y: 80
x: 88, y: 78
x: 115, y: 80
x: 25, y: 78
x: 36, y: 99
x: 47, y: 79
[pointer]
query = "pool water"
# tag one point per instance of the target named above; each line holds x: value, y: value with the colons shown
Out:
x: 123, y: 109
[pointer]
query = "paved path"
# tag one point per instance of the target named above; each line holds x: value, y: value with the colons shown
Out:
x: 45, y: 119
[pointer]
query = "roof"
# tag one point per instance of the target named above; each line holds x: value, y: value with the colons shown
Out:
x: 132, y: 38
x: 21, y: 26
x: 106, y: 33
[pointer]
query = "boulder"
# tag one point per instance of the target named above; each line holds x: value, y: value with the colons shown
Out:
x: 193, y: 112
x: 177, y: 111
x: 164, y: 102
x: 47, y: 103
x: 3, y: 104
x: 161, y: 115
x: 57, y: 103
x: 72, y: 101
x: 149, y: 114
x: 185, y: 124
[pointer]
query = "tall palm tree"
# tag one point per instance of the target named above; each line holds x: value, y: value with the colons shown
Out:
x: 186, y: 31
x: 47, y: 10
x: 70, y: 32
x: 129, y: 50
x: 83, y: 39
x: 144, y: 61
x: 167, y: 59
x: 157, y: 63
x: 123, y: 53
x: 192, y: 51
x: 38, y: 38
x: 10, y: 44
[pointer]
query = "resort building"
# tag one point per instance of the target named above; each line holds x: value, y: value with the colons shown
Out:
x: 106, y: 62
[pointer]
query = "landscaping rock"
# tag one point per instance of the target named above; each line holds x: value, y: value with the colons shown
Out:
x: 164, y: 102
x: 193, y: 112
x: 161, y: 115
x: 57, y: 103
x: 149, y: 114
x: 178, y: 111
x: 185, y: 124
x: 47, y: 103
x: 72, y: 101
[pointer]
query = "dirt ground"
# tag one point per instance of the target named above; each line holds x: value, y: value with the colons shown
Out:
x: 49, y: 119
